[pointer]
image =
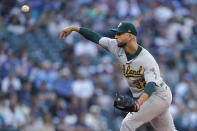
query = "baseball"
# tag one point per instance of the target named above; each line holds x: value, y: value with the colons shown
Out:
x: 25, y: 8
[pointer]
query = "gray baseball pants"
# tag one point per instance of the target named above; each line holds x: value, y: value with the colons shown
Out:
x: 154, y: 110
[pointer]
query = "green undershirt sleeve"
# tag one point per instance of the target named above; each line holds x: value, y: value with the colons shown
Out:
x: 150, y: 88
x: 90, y: 35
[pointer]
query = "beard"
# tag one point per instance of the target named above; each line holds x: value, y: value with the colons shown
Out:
x: 121, y: 45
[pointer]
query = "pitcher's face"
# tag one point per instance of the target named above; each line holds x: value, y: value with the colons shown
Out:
x: 122, y: 38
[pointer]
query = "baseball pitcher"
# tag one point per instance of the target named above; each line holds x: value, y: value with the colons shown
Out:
x: 143, y: 76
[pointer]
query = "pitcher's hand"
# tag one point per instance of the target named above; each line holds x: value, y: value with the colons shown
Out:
x: 66, y: 31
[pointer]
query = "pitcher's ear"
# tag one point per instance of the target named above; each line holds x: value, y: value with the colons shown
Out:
x: 133, y: 37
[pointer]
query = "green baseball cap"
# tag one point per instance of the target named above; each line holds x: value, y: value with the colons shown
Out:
x: 126, y: 27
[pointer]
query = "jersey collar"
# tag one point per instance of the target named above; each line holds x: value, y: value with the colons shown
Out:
x: 130, y: 57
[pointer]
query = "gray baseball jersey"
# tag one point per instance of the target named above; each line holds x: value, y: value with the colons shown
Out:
x: 138, y: 71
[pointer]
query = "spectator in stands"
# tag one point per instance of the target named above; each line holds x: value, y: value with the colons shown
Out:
x: 63, y: 84
x: 10, y: 64
x: 82, y: 87
x: 46, y: 124
x: 13, y: 117
x: 85, y: 47
x: 80, y: 124
x: 15, y: 25
x: 46, y: 74
x: 32, y: 123
x: 11, y: 83
x: 94, y: 120
x: 3, y: 49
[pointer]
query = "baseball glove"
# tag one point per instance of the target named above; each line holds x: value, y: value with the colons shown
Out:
x: 126, y: 103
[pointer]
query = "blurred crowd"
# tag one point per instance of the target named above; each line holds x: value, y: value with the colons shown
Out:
x: 71, y: 85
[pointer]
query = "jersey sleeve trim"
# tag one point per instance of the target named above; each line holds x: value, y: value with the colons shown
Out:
x: 150, y: 88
